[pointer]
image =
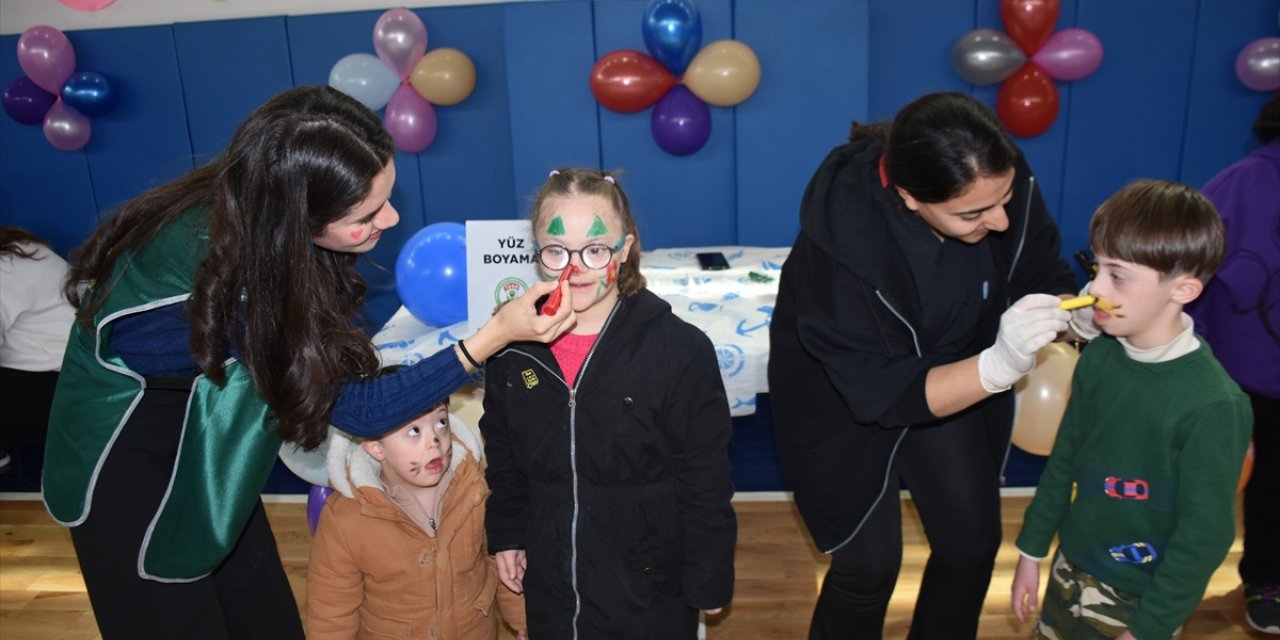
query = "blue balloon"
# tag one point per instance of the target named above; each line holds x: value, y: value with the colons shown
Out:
x: 431, y: 274
x: 89, y: 93
x: 672, y: 33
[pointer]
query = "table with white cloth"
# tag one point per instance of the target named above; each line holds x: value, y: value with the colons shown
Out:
x: 733, y: 306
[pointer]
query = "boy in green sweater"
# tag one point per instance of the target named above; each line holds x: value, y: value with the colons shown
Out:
x: 1140, y: 486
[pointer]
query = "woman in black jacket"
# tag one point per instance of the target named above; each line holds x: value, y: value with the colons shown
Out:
x: 609, y: 449
x: 892, y: 342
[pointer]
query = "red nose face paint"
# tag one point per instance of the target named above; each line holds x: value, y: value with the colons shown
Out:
x: 552, y: 305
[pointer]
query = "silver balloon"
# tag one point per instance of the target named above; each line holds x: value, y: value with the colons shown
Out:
x: 986, y: 56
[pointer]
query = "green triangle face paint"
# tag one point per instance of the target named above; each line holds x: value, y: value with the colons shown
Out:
x: 597, y: 228
x: 556, y: 228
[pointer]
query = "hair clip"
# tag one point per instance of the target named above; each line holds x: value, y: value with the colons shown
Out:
x: 609, y: 179
x: 554, y: 173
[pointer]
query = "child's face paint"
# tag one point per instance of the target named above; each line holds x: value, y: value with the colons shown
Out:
x: 556, y: 227
x: 417, y: 455
x: 359, y: 230
x: 598, y: 228
x: 583, y: 220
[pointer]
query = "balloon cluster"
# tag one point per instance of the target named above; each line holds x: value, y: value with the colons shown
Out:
x: 679, y: 80
x: 1258, y: 64
x: 431, y: 274
x: 53, y: 92
x: 405, y: 79
x: 1027, y: 103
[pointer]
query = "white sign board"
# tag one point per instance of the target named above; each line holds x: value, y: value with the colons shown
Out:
x: 500, y: 265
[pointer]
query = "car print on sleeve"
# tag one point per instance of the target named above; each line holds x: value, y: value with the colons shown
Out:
x: 1121, y: 489
x: 1136, y: 553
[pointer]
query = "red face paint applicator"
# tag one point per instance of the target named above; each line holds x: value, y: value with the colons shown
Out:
x: 552, y: 305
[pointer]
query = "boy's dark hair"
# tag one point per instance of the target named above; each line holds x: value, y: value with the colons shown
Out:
x: 1267, y: 126
x: 1167, y: 226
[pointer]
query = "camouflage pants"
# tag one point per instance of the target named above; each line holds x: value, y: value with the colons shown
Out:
x: 1078, y: 606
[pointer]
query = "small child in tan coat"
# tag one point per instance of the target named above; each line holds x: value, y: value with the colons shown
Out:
x: 400, y: 548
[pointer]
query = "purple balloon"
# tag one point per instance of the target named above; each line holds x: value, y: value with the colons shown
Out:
x: 46, y: 56
x: 1258, y: 65
x: 400, y: 39
x: 681, y: 122
x: 26, y: 102
x: 65, y: 128
x: 1070, y: 55
x: 410, y: 120
x: 315, y: 504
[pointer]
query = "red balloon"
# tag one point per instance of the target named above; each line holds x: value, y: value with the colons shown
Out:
x: 1029, y: 22
x: 628, y: 81
x: 1028, y: 101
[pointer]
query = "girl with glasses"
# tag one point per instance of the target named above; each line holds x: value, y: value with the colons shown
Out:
x: 608, y: 448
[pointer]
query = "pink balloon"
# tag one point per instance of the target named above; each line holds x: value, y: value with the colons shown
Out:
x: 400, y: 39
x: 87, y: 5
x: 47, y: 57
x: 1070, y: 55
x: 1258, y: 65
x: 410, y: 120
x: 65, y: 128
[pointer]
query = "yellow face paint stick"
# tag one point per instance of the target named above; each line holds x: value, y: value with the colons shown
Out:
x: 1076, y: 303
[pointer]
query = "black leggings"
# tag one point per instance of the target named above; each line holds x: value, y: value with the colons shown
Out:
x: 954, y: 482
x: 1260, y: 564
x: 247, y: 596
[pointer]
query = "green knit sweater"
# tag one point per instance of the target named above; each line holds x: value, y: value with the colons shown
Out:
x: 1154, y: 452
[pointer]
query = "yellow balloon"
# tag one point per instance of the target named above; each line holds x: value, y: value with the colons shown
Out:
x: 444, y: 77
x: 724, y: 73
x: 1041, y: 398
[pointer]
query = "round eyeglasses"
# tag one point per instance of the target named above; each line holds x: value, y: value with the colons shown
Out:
x: 594, y: 256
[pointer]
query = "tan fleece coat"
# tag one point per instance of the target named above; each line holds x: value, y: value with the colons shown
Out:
x: 374, y: 573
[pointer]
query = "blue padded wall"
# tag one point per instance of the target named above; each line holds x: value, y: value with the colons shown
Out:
x: 550, y: 49
x: 1165, y: 103
x: 220, y: 84
x: 801, y: 110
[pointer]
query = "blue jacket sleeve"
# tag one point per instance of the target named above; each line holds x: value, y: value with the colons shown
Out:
x: 371, y: 407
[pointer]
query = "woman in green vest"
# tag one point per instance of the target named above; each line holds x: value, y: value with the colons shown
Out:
x: 214, y: 323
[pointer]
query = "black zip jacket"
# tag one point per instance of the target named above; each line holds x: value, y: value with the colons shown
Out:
x: 617, y: 489
x: 847, y: 363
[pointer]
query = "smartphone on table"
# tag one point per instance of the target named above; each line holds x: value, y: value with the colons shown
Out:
x: 713, y: 261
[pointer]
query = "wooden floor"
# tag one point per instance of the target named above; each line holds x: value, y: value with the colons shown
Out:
x: 42, y: 595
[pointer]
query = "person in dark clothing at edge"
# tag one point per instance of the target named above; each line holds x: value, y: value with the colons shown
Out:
x: 925, y: 277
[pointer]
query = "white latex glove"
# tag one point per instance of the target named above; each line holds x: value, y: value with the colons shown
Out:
x: 1082, y: 318
x: 1031, y: 323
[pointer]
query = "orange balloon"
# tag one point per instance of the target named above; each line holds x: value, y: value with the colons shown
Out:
x: 1041, y: 398
x: 724, y: 73
x: 444, y: 77
x: 1247, y: 470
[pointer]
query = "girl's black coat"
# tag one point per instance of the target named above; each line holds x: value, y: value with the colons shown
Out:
x: 618, y: 491
x: 847, y: 366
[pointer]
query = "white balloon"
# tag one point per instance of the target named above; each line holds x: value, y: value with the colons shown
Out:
x: 364, y: 77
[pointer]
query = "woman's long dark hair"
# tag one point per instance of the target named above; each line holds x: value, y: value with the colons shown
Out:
x: 296, y: 164
x: 938, y: 145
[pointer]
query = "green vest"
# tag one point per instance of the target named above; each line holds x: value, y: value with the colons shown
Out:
x: 228, y: 444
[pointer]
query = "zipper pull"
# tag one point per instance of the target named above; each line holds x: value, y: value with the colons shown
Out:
x: 573, y: 394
